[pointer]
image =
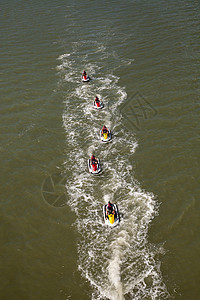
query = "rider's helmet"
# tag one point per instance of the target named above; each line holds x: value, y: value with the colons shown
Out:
x: 109, y: 204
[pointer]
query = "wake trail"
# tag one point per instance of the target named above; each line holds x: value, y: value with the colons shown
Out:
x: 119, y: 263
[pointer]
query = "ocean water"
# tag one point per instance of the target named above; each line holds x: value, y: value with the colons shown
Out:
x: 142, y: 58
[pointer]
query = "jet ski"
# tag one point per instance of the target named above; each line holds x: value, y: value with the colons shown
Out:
x: 94, y: 168
x: 106, y: 137
x: 98, y: 105
x: 111, y: 220
x: 85, y: 78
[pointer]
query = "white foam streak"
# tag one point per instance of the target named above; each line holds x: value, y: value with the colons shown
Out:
x: 61, y: 57
x: 108, y: 197
x: 118, y: 263
x: 114, y: 276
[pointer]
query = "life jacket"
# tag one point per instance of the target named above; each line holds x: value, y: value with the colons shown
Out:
x: 97, y: 102
x: 84, y: 75
x: 94, y: 167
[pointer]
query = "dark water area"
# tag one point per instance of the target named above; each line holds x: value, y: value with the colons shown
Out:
x: 143, y: 58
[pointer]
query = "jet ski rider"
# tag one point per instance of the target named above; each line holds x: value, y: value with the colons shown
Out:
x: 97, y: 100
x: 84, y: 74
x: 110, y: 209
x: 93, y: 160
x: 104, y: 130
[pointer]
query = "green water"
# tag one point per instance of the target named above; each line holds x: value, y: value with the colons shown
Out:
x: 143, y: 57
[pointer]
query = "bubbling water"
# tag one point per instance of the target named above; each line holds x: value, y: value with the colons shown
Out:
x: 119, y: 263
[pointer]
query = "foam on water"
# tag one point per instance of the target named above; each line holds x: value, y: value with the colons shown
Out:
x: 119, y: 263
